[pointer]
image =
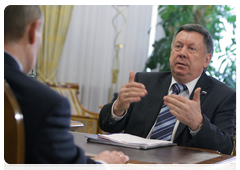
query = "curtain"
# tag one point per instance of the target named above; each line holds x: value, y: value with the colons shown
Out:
x: 88, y: 51
x: 56, y: 21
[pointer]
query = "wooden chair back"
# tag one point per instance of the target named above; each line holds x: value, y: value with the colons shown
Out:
x: 78, y: 111
x: 14, y: 136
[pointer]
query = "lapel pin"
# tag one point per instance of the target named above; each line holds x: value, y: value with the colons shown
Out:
x: 204, y: 92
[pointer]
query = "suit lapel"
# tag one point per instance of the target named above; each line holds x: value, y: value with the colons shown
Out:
x: 204, y: 83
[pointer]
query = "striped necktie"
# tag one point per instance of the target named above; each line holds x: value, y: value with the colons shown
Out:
x: 166, y: 121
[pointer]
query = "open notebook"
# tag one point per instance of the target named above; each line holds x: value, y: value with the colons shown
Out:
x: 127, y: 140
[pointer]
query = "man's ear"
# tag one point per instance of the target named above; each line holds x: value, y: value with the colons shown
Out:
x: 34, y: 26
x: 207, y: 60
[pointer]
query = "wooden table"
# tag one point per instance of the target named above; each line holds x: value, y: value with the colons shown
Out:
x: 163, y: 155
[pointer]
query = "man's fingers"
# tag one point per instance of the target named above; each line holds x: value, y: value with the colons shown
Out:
x: 131, y: 76
x: 129, y: 93
x: 197, y: 94
x: 129, y: 100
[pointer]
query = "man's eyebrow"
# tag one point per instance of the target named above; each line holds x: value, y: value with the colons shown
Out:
x: 191, y: 43
x: 178, y: 42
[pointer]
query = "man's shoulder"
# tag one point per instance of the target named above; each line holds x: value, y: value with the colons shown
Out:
x: 216, y: 87
x: 42, y: 89
x: 152, y: 76
x: 219, y: 84
x: 22, y: 85
x: 161, y: 74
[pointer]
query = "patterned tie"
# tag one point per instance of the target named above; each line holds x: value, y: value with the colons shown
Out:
x: 166, y: 121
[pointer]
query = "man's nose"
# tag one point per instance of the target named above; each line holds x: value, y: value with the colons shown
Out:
x: 183, y: 52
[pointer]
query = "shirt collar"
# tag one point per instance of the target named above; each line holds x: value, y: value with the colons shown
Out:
x: 18, y: 62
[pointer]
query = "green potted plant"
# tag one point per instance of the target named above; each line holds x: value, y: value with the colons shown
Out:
x: 212, y: 18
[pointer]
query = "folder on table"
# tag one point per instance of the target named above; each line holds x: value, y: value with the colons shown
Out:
x: 127, y: 140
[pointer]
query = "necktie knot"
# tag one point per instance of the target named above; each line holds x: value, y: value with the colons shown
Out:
x: 178, y: 88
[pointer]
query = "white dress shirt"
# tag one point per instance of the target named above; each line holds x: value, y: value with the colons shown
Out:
x: 186, y: 93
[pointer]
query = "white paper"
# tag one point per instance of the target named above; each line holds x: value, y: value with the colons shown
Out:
x: 133, y: 140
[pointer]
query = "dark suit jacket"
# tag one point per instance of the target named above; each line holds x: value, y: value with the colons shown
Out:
x: 217, y: 106
x: 46, y: 119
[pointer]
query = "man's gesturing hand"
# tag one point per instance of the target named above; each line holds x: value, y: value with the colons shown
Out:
x: 186, y: 111
x: 129, y: 93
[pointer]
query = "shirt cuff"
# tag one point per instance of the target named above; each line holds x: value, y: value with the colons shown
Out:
x: 115, y: 118
x: 104, y: 164
x: 193, y: 132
